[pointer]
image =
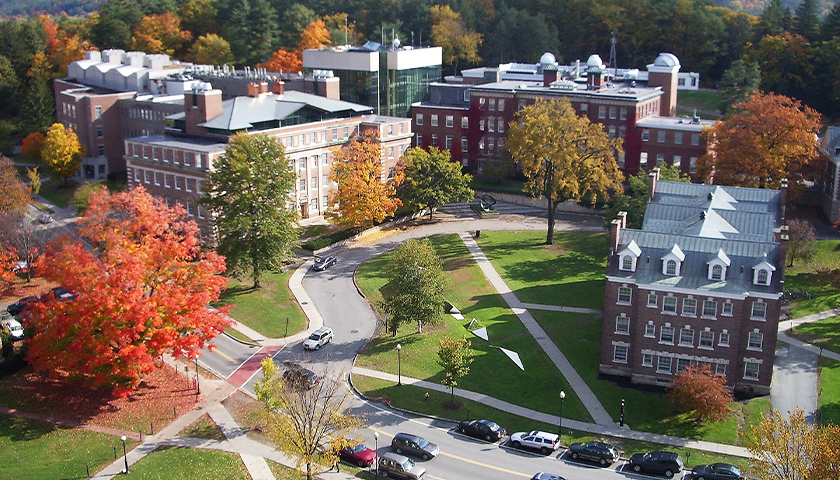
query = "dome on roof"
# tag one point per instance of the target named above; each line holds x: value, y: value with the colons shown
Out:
x: 547, y: 59
x: 595, y: 61
x: 666, y: 60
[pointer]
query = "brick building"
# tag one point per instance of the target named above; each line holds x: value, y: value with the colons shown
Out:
x: 701, y: 283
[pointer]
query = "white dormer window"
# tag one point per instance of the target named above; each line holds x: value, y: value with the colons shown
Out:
x: 672, y: 261
x: 763, y: 272
x: 629, y: 256
x: 718, y: 266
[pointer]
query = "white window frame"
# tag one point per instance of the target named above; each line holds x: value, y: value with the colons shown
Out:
x: 625, y: 296
x: 650, y: 330
x: 666, y: 331
x: 689, y: 311
x: 685, y: 341
x: 620, y: 353
x: 751, y: 370
x: 669, y: 305
x: 723, y: 339
x: 652, y: 300
x: 622, y: 325
x: 727, y: 308
x: 661, y: 361
x: 647, y: 359
x: 704, y: 313
x: 707, y: 339
x: 755, y: 340
x: 434, y: 121
x: 759, y: 310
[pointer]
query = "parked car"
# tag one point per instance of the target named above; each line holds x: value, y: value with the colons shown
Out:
x: 12, y: 327
x: 323, y: 263
x: 414, y: 445
x: 20, y: 266
x: 717, y: 471
x: 21, y: 305
x: 358, y: 454
x: 603, y: 453
x: 319, y: 338
x: 546, y: 476
x: 665, y: 463
x: 45, y: 218
x: 543, y: 441
x: 62, y: 293
x: 299, y: 377
x: 490, y: 431
x: 398, y: 466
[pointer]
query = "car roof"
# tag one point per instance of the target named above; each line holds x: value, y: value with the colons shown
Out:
x: 323, y: 330
x: 409, y: 436
x: 663, y: 454
x: 394, y: 457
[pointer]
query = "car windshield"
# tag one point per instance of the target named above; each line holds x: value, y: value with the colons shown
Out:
x: 408, y: 464
x: 314, y: 336
x: 358, y: 448
x: 15, y: 328
x: 493, y: 426
x: 423, y: 443
x: 320, y: 260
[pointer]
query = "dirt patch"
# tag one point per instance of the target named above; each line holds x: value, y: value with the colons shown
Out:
x: 555, y: 249
x: 248, y: 414
x: 11, y: 292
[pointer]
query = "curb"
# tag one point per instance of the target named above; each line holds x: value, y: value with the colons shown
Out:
x: 243, y: 342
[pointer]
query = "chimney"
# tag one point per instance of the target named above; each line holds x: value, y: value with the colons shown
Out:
x: 623, y: 217
x: 783, y: 199
x: 594, y: 79
x: 615, y: 235
x: 781, y: 237
x: 549, y: 75
x: 256, y: 89
x: 653, y: 177
x: 263, y: 87
x: 199, y: 107
x: 278, y: 87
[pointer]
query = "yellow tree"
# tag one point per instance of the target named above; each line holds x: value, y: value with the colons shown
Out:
x: 768, y: 138
x: 563, y: 156
x: 15, y: 195
x: 210, y: 49
x: 362, y: 195
x: 159, y: 33
x: 450, y: 33
x: 315, y: 35
x: 302, y: 421
x: 794, y: 449
x: 62, y: 153
x: 341, y: 30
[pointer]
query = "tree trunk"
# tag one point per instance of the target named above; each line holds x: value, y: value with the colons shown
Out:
x: 552, y: 207
x: 431, y: 212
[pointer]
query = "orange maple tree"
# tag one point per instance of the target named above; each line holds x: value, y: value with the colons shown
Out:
x: 31, y: 146
x: 284, y: 61
x: 362, y: 195
x: 769, y: 138
x: 696, y: 389
x: 315, y: 35
x: 142, y: 288
x: 160, y: 33
x: 15, y: 194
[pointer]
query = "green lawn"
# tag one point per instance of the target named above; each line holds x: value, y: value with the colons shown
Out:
x: 57, y: 193
x: 819, y: 276
x: 491, y: 372
x: 491, y: 185
x: 700, y: 99
x: 829, y: 398
x: 193, y: 463
x: 265, y: 310
x: 37, y: 450
x: 203, y: 427
x: 824, y: 333
x: 569, y: 273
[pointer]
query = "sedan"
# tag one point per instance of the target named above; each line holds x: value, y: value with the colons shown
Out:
x: 323, y: 263
x: 716, y: 471
x: 299, y: 377
x: 603, y: 453
x: 20, y: 305
x: 485, y: 429
x: 546, y: 476
x: 358, y: 454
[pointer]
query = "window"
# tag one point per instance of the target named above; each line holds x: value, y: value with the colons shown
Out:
x: 449, y: 142
x: 660, y: 136
x: 190, y: 209
x: 650, y: 330
x: 418, y: 119
x: 678, y: 138
x: 692, y: 164
x: 325, y: 158
x: 647, y: 359
x: 302, y: 184
x: 723, y: 339
x: 492, y: 104
x: 669, y: 305
x: 613, y: 111
x: 491, y: 124
x: 611, y: 132
x: 167, y: 181
x: 501, y: 104
x: 720, y: 369
x: 100, y: 150
x: 325, y: 180
x: 671, y: 267
x: 147, y: 176
x: 602, y: 112
x: 717, y: 273
x: 189, y: 184
x: 651, y: 300
x: 302, y: 138
x: 314, y: 161
x: 584, y: 107
x: 643, y: 160
x: 97, y: 112
x: 762, y: 277
x: 663, y: 365
x: 759, y: 310
x: 402, y: 128
x: 620, y: 353
x: 622, y: 131
x: 755, y: 340
x: 481, y: 124
x: 390, y: 152
x: 434, y: 120
x: 707, y: 339
x: 200, y: 211
x: 464, y: 144
x: 501, y: 143
x: 158, y: 177
x: 677, y: 161
x: 689, y: 307
x: 346, y: 132
x: 313, y: 137
x: 622, y: 113
x: 660, y: 159
x: 695, y: 139
x: 434, y: 140
x: 682, y: 364
x: 325, y: 201
x: 465, y: 122
x: 302, y: 164
x: 622, y: 324
x: 179, y: 182
x: 686, y: 337
x: 99, y: 131
x: 727, y: 309
x: 450, y: 121
x: 666, y: 334
x: 313, y: 183
x: 645, y: 135
x: 390, y: 132
x: 624, y: 295
x: 710, y: 309
x: 419, y: 140
x: 751, y: 370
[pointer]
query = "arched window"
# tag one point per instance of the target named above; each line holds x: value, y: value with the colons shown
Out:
x: 717, y: 272
x: 763, y: 277
x: 627, y: 262
x: 671, y: 267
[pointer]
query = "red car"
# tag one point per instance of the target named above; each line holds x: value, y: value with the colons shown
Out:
x: 358, y: 454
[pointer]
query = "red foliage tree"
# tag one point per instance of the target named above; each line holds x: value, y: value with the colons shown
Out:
x: 142, y: 290
x: 284, y: 61
x: 32, y: 145
x: 698, y: 390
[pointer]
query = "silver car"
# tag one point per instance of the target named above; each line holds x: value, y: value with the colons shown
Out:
x: 398, y: 466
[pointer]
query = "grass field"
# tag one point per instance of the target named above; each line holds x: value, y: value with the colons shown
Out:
x: 37, y: 450
x: 57, y: 193
x: 203, y: 427
x: 829, y: 399
x: 706, y: 100
x: 196, y: 464
x: 569, y: 273
x: 266, y: 309
x: 504, y: 185
x: 819, y: 276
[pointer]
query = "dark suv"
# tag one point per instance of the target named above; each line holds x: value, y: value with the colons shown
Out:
x: 665, y: 463
x: 603, y: 453
x: 414, y: 445
x: 299, y: 377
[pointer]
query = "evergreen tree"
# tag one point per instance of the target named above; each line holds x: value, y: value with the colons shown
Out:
x: 9, y: 85
x: 807, y: 21
x: 38, y: 104
x: 830, y: 27
x: 774, y: 20
x: 251, y: 28
x: 739, y: 81
x: 294, y: 20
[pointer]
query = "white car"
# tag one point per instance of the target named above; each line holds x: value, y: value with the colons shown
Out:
x: 543, y: 441
x: 13, y: 328
x: 318, y: 339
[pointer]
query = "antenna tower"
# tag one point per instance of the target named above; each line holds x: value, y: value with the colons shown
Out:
x: 613, y: 61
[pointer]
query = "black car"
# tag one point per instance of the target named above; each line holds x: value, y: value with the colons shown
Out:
x: 665, y: 463
x: 21, y: 305
x: 323, y: 263
x: 414, y: 445
x: 490, y: 431
x: 546, y: 476
x: 603, y: 453
x: 299, y: 377
x: 717, y: 471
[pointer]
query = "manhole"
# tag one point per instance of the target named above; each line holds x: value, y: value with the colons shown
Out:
x: 304, y: 303
x: 354, y: 331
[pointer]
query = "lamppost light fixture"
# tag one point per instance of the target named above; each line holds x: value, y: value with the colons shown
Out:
x: 399, y: 365
x: 560, y: 429
x: 125, y: 455
x: 562, y: 394
x: 399, y: 347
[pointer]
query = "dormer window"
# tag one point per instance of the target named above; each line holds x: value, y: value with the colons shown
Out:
x: 716, y: 273
x: 762, y: 277
x: 672, y: 261
x: 629, y: 256
x: 717, y: 267
x: 763, y: 272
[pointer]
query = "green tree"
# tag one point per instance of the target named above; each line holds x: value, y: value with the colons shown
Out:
x: 302, y: 421
x: 295, y: 19
x: 199, y: 17
x: 62, y: 152
x: 248, y: 194
x: 807, y: 20
x: 634, y: 202
x: 115, y: 22
x: 449, y: 32
x: 774, y: 20
x: 739, y: 81
x: 9, y: 86
x: 455, y: 356
x: 37, y: 101
x: 416, y: 286
x: 563, y: 156
x: 34, y: 180
x: 787, y: 64
x: 831, y: 24
x: 251, y: 31
x: 210, y: 49
x: 432, y: 179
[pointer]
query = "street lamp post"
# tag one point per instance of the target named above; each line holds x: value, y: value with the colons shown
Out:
x: 399, y: 365
x: 125, y: 455
x: 197, y: 384
x: 376, y: 447
x: 562, y: 397
x: 621, y: 418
